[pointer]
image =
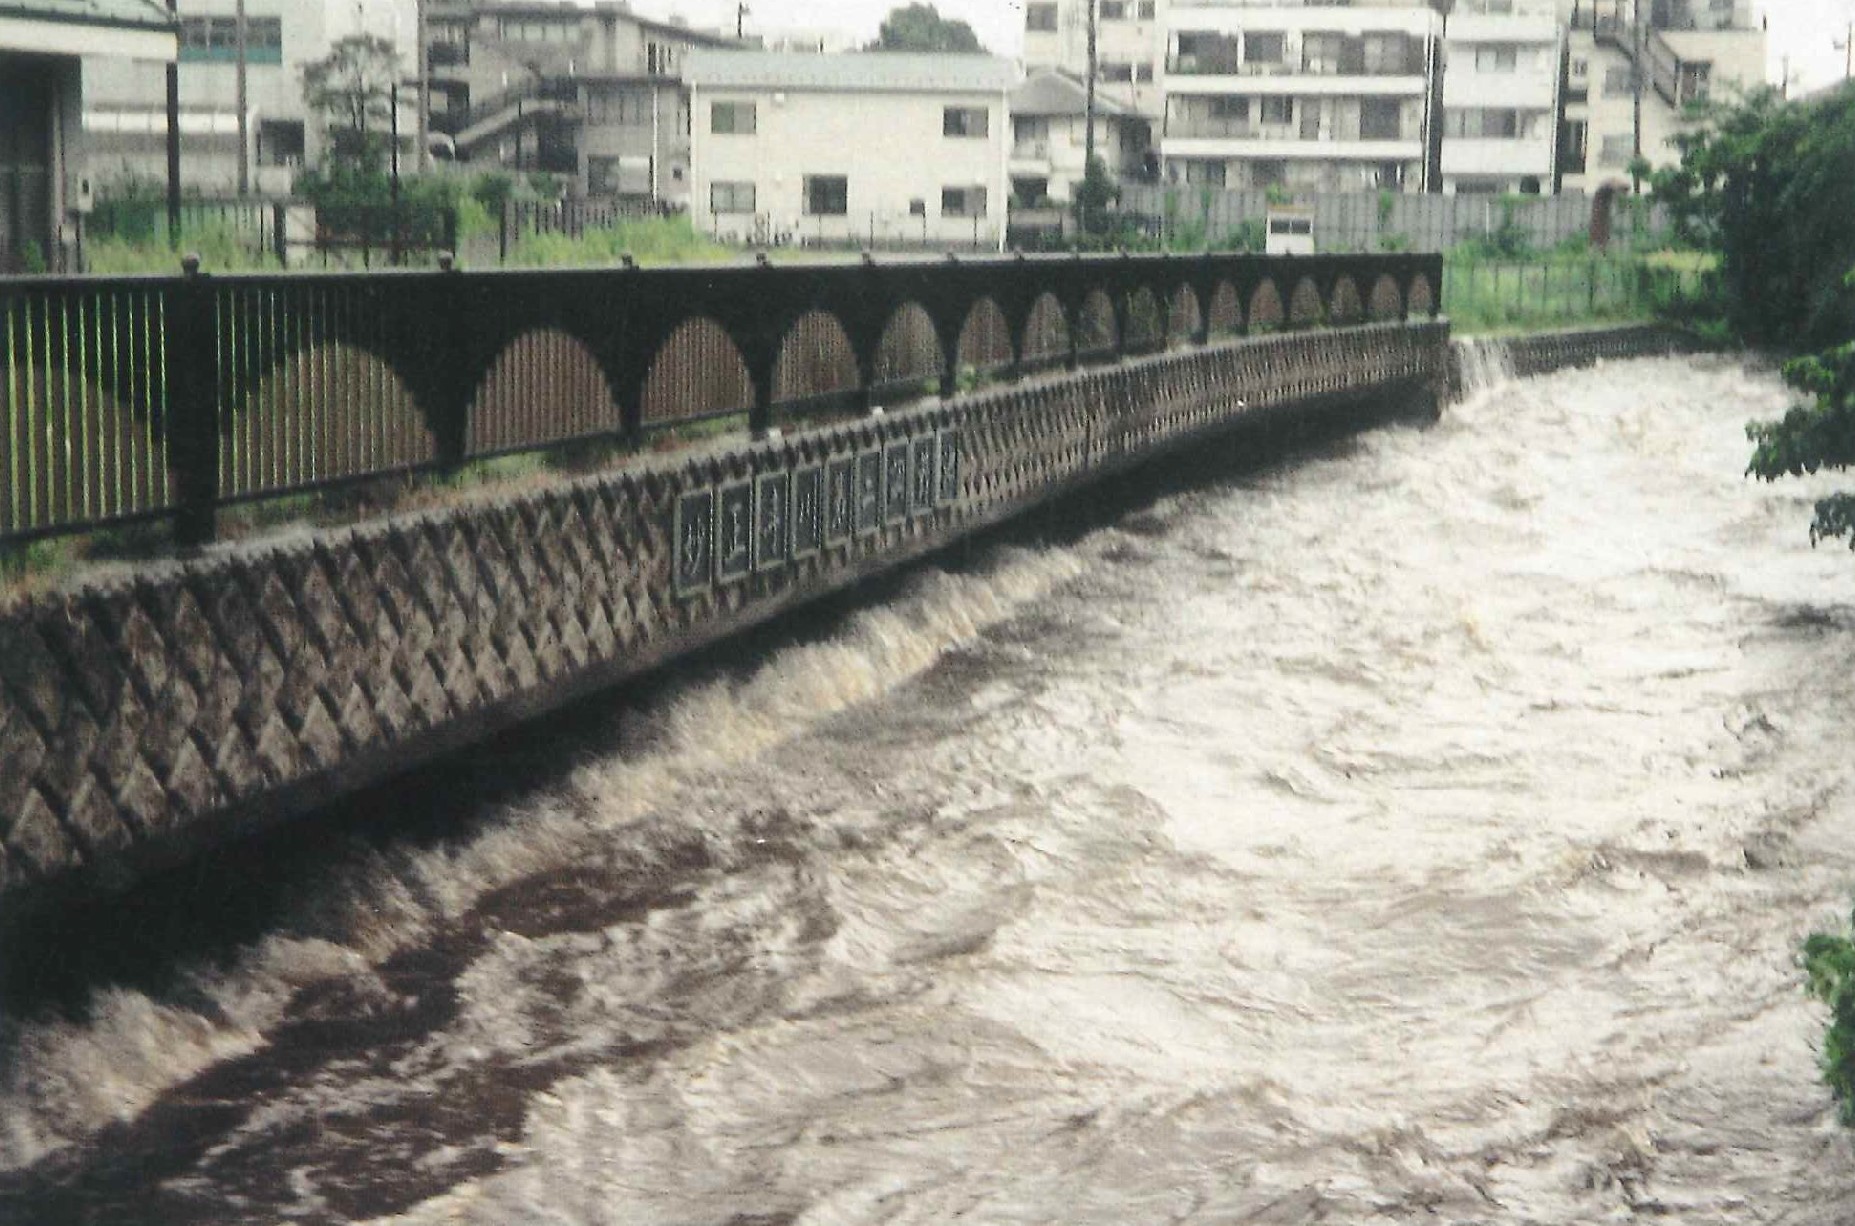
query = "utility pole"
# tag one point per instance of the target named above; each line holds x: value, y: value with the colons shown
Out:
x: 740, y: 21
x: 239, y: 27
x: 1636, y: 82
x: 173, y: 140
x: 425, y: 89
x: 1088, y: 124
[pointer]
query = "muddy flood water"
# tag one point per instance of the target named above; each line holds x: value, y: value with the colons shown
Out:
x: 1422, y: 830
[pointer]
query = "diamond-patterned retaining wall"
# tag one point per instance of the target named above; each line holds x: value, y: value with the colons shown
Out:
x: 142, y: 717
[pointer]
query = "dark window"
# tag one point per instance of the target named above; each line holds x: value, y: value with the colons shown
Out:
x: 1262, y: 48
x: 1040, y: 17
x: 1573, y: 135
x: 1115, y: 73
x: 1380, y: 119
x: 1269, y: 172
x: 215, y: 40
x: 827, y: 195
x: 1278, y: 110
x: 733, y: 119
x: 1147, y: 9
x: 280, y: 142
x: 962, y: 202
x: 1113, y: 10
x: 963, y: 121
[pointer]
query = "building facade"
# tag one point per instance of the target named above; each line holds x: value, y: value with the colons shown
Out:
x: 125, y: 112
x: 1689, y: 52
x: 869, y: 149
x: 1303, y: 97
x: 1502, y: 69
x: 45, y: 53
x: 594, y: 94
x: 1130, y: 47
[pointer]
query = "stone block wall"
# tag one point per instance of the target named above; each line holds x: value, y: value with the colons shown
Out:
x: 145, y: 716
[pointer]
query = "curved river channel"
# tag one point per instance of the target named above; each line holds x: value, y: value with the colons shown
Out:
x: 1422, y: 830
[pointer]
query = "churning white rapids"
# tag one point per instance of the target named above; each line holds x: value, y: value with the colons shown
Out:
x: 1425, y: 828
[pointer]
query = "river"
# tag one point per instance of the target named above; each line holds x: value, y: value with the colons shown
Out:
x: 1424, y: 829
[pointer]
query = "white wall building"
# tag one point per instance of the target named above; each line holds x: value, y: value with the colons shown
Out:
x: 1501, y: 71
x: 1305, y: 97
x: 1130, y: 47
x: 871, y: 148
x: 1691, y: 52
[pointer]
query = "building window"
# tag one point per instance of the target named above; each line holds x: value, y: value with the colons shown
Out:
x: 733, y: 119
x: 1147, y: 9
x: 1230, y: 106
x: 618, y: 176
x: 1320, y: 53
x: 1200, y: 173
x: 280, y: 142
x: 1618, y: 81
x: 1261, y: 48
x: 1115, y: 74
x: 1572, y: 137
x: 962, y: 202
x: 1277, y: 110
x: 1496, y: 59
x: 215, y: 40
x: 827, y: 195
x: 625, y: 108
x: 1616, y: 150
x: 539, y: 30
x: 963, y: 121
x: 1040, y: 17
x: 1381, y: 119
x: 1143, y: 73
x: 917, y: 207
x: 1268, y: 172
x: 1387, y: 55
x: 1484, y: 123
x: 1030, y: 192
x: 1113, y: 10
x: 731, y: 197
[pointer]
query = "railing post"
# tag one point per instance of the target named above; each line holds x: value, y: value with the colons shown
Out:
x: 280, y: 235
x: 191, y: 335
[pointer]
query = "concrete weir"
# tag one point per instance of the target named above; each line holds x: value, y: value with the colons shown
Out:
x: 144, y: 717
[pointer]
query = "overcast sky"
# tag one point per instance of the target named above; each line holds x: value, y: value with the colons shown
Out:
x: 1802, y: 29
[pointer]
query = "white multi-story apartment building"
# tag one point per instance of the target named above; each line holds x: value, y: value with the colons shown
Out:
x: 877, y: 148
x: 1301, y: 96
x: 1501, y: 72
x: 1691, y: 51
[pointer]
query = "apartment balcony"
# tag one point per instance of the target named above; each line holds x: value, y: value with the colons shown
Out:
x: 1489, y: 156
x: 1323, y: 85
x: 1289, y: 147
x: 1527, y: 91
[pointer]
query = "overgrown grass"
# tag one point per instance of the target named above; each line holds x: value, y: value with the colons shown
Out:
x: 648, y: 240
x: 1482, y: 296
x: 221, y: 248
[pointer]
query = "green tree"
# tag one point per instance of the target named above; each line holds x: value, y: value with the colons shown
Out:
x: 920, y: 27
x: 1094, y: 196
x: 352, y: 89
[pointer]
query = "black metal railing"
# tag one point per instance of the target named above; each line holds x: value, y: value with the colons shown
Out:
x: 126, y: 399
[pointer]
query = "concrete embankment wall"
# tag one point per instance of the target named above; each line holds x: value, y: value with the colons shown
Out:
x: 144, y: 717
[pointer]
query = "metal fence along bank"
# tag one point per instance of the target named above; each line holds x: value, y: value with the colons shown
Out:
x: 168, y: 398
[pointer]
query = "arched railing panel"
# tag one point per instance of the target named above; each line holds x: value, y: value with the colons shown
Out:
x: 1046, y: 333
x: 985, y: 339
x: 1386, y: 302
x: 815, y: 359
x: 543, y: 387
x: 1184, y: 320
x: 698, y: 372
x: 1422, y: 297
x: 1096, y: 333
x: 1304, y: 306
x: 1345, y: 307
x: 909, y: 350
x: 1226, y: 311
x: 1146, y: 320
x: 1266, y: 313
